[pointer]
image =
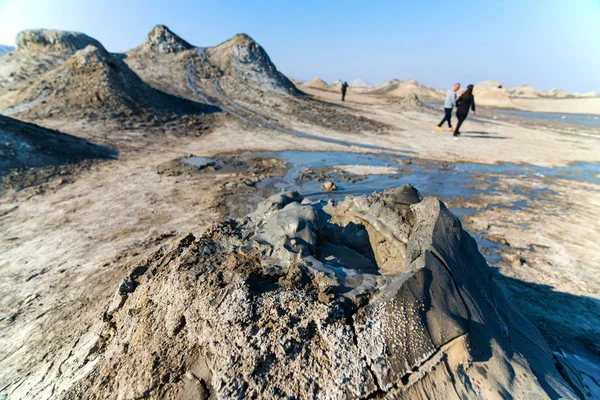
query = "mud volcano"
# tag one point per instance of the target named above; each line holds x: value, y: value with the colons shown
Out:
x: 381, y: 296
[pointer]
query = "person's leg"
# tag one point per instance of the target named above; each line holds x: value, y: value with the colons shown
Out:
x: 447, y: 115
x: 461, y: 119
x: 343, y: 96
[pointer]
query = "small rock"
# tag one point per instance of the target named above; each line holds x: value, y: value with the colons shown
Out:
x: 328, y: 186
x: 127, y: 286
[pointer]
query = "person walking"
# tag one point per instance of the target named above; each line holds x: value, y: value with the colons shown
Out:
x: 449, y: 104
x: 464, y: 102
x: 344, y: 89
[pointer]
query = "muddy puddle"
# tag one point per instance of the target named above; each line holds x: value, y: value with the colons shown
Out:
x: 359, y: 174
x: 456, y: 184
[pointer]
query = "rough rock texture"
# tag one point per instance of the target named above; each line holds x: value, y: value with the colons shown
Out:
x: 24, y: 145
x: 54, y: 41
x: 38, y: 51
x: 375, y: 297
x: 162, y: 40
x: 241, y: 59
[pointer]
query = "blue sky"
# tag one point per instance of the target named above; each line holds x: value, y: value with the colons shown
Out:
x: 543, y: 43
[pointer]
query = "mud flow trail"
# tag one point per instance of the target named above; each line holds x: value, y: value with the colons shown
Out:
x: 236, y: 109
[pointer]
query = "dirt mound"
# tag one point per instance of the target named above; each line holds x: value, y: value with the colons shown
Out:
x: 525, y: 92
x: 317, y: 83
x: 557, y: 94
x: 38, y: 51
x: 403, y: 89
x: 25, y: 145
x: 375, y: 297
x: 587, y: 95
x: 485, y: 85
x: 30, y: 155
x: 493, y: 97
x: 54, y: 41
x: 335, y: 85
x: 239, y: 76
x: 162, y: 40
x: 93, y: 83
x: 240, y: 61
x: 359, y: 83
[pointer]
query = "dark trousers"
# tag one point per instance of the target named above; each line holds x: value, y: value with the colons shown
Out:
x: 461, y: 118
x: 447, y: 117
x: 343, y: 96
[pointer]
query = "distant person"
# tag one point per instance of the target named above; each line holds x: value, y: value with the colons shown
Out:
x: 344, y: 89
x: 464, y: 102
x: 449, y: 104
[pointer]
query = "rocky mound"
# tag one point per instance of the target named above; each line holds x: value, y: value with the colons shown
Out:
x: 375, y: 297
x: 93, y: 83
x: 359, y: 83
x: 239, y: 77
x: 525, y: 92
x: 493, y: 97
x: 557, y: 94
x: 162, y: 40
x: 54, y: 41
x: 24, y: 145
x: 38, y: 51
x: 335, y: 85
x: 317, y: 83
x: 485, y: 85
x: 403, y: 89
x: 241, y: 65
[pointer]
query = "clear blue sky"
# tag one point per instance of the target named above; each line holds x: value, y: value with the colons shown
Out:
x: 543, y: 43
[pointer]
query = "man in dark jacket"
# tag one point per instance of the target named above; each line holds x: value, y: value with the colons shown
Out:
x: 344, y: 88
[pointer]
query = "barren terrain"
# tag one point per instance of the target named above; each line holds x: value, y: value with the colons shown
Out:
x: 69, y: 236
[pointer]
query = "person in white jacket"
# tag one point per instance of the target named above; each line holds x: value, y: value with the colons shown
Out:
x: 449, y: 104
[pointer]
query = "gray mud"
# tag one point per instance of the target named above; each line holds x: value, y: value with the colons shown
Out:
x: 441, y: 179
x: 465, y: 187
x: 381, y: 296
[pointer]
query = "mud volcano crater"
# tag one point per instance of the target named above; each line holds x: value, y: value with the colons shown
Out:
x: 381, y: 296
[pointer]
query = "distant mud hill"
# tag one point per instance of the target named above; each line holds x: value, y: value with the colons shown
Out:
x: 403, y: 89
x: 162, y: 40
x: 37, y: 52
x: 94, y: 84
x: 240, y: 60
x: 381, y: 296
x: 236, y: 75
x: 317, y: 83
x: 24, y: 146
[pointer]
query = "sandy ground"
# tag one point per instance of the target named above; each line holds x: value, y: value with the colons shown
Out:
x: 565, y: 106
x: 64, y: 250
